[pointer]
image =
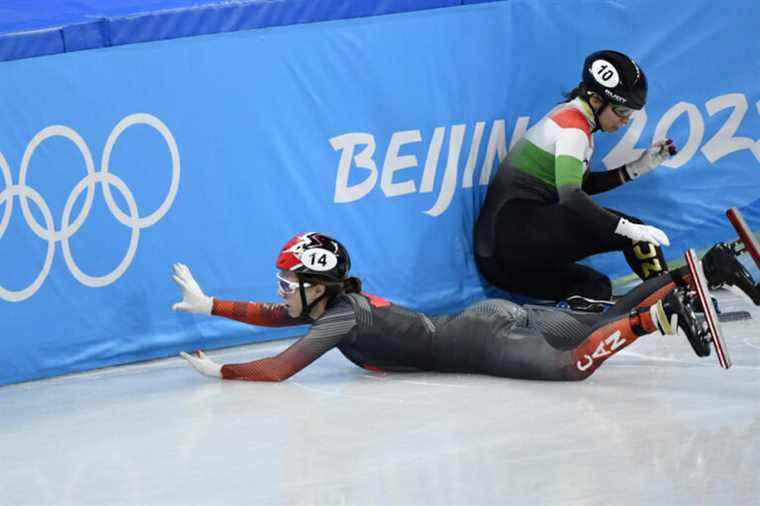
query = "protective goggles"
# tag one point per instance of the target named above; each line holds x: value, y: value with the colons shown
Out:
x: 287, y: 287
x: 622, y: 111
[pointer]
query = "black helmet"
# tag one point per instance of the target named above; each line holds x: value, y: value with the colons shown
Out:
x: 315, y: 256
x: 616, y: 78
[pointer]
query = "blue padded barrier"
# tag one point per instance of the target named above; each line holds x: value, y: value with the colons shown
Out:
x: 92, y: 24
x: 382, y: 131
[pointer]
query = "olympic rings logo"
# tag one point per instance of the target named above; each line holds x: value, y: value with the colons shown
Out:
x: 68, y: 228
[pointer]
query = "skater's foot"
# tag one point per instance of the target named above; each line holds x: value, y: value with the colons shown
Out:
x: 723, y: 268
x: 677, y: 308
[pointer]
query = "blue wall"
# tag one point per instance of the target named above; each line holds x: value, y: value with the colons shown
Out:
x: 31, y: 28
x: 381, y: 131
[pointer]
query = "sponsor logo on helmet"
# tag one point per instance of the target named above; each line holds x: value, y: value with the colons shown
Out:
x: 615, y: 96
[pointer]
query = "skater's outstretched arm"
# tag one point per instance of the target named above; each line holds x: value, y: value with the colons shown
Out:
x: 195, y: 301
x: 263, y: 314
x: 325, y: 333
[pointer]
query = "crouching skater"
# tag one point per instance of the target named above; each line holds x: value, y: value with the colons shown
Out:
x: 494, y: 337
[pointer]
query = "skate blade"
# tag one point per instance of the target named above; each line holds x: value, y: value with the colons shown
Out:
x: 700, y: 286
x: 746, y: 236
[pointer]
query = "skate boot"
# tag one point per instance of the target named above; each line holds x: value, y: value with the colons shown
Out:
x: 677, y: 308
x: 723, y: 268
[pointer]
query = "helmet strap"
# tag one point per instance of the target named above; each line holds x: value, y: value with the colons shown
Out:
x: 306, y: 308
x: 597, y: 112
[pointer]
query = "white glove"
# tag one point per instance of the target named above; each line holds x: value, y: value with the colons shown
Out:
x: 203, y: 364
x: 651, y: 158
x: 646, y: 233
x: 193, y: 298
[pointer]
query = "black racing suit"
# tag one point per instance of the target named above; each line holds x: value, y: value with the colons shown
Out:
x: 494, y: 337
x: 538, y: 220
x: 531, y: 247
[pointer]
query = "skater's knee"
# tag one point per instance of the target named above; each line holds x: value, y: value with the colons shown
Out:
x: 598, y: 287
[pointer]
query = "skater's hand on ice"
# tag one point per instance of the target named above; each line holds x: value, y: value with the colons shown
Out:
x: 193, y: 298
x: 203, y: 364
x: 651, y: 158
x: 646, y: 233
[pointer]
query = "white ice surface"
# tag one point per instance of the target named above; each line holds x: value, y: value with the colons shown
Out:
x: 655, y: 425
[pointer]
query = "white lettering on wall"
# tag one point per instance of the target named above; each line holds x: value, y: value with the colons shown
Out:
x: 357, y: 151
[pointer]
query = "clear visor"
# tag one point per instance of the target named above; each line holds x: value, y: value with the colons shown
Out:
x: 287, y: 287
x: 622, y: 111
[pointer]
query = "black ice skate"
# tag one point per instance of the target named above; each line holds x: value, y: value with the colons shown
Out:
x: 723, y: 268
x: 721, y: 265
x: 681, y: 302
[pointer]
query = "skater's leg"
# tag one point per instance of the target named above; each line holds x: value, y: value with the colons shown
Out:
x: 608, y: 338
x: 650, y: 291
x: 536, y: 347
x: 533, y: 235
x: 554, y: 282
x: 544, y: 344
x: 660, y: 306
x: 535, y: 253
x: 537, y: 246
x: 645, y: 259
x: 670, y: 300
x: 538, y: 350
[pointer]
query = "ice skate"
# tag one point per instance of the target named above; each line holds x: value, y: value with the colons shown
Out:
x: 721, y: 265
x: 677, y: 309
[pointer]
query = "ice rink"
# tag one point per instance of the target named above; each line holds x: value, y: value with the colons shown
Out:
x: 655, y: 425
